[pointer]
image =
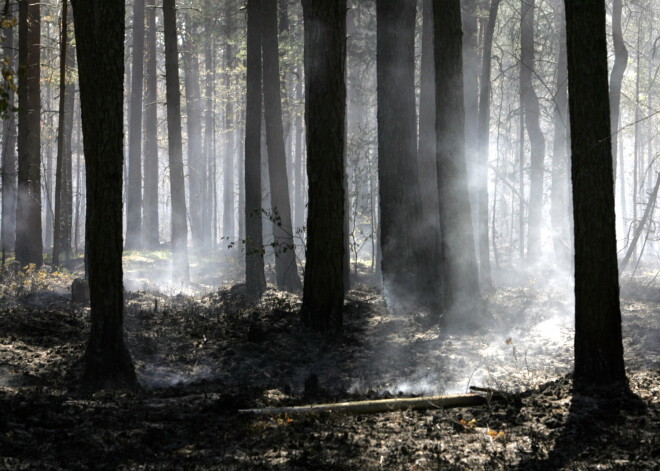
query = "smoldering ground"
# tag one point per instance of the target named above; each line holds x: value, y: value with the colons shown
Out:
x: 200, y: 357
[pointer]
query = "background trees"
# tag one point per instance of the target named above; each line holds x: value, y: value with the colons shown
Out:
x: 401, y: 203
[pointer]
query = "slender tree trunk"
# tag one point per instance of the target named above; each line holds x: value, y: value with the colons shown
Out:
x: 194, y: 121
x: 286, y: 272
x: 484, y: 132
x: 180, y: 268
x: 471, y: 68
x: 618, y: 70
x: 29, y: 245
x: 532, y: 117
x: 558, y: 214
x: 134, y: 196
x: 209, y: 132
x: 598, y: 340
x: 99, y: 33
x: 8, y: 229
x: 150, y: 198
x: 254, y: 262
x: 65, y: 128
x: 521, y: 180
x: 325, y: 114
x: 459, y: 264
x: 299, y: 157
x: 229, y: 211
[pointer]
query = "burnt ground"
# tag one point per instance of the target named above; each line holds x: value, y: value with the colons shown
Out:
x: 203, y: 355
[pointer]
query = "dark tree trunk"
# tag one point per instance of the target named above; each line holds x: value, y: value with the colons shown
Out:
x: 598, y: 342
x: 428, y: 169
x: 150, y: 198
x: 400, y: 204
x: 29, y: 245
x: 471, y: 69
x: 180, y: 268
x: 532, y: 116
x: 229, y: 212
x: 8, y: 225
x: 484, y: 132
x: 618, y: 70
x: 286, y: 272
x: 459, y: 264
x: 558, y: 196
x: 194, y: 122
x: 62, y: 226
x: 254, y: 261
x: 134, y: 196
x: 99, y: 30
x: 325, y: 113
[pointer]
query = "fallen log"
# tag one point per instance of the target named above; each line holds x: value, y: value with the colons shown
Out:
x: 378, y: 405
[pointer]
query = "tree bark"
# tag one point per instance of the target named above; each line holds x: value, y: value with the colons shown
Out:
x: 558, y: 196
x: 400, y: 204
x: 8, y: 225
x: 150, y: 198
x: 286, y: 272
x: 208, y: 152
x: 62, y: 225
x: 616, y: 77
x: 29, y: 245
x: 459, y: 264
x: 134, y: 196
x: 429, y: 223
x: 180, y: 268
x: 325, y: 114
x: 598, y: 342
x: 484, y: 132
x: 532, y: 112
x: 229, y: 211
x: 255, y: 279
x: 99, y: 28
x: 196, y: 175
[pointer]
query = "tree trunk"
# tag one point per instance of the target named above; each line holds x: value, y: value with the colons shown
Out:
x: 598, y: 342
x: 531, y: 107
x: 62, y: 226
x: 8, y: 225
x: 99, y: 30
x: 255, y: 279
x: 484, y: 132
x: 325, y: 114
x: 194, y: 122
x: 558, y: 197
x: 471, y: 69
x: 209, y: 137
x: 616, y: 77
x: 134, y: 196
x: 180, y: 268
x: 286, y: 272
x: 228, y: 214
x: 459, y: 264
x: 299, y: 157
x: 150, y: 198
x: 29, y: 245
x: 400, y: 204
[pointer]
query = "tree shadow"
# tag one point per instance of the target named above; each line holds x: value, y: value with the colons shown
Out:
x: 595, y: 420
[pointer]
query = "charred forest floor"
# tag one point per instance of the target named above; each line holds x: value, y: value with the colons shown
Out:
x: 204, y: 353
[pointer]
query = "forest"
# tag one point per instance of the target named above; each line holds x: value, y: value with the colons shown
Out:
x: 329, y: 234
